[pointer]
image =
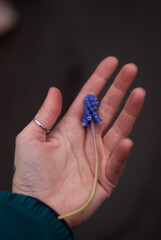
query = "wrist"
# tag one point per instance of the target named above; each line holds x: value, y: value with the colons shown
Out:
x: 16, y: 189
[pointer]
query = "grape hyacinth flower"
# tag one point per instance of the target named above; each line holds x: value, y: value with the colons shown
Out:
x: 90, y: 110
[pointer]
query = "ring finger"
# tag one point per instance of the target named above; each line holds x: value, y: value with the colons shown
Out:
x: 114, y: 96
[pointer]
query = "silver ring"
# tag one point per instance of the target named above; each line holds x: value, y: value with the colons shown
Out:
x: 42, y: 126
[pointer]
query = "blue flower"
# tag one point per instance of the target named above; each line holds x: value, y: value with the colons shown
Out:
x: 90, y: 110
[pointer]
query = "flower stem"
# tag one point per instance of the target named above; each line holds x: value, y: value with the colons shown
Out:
x: 95, y: 179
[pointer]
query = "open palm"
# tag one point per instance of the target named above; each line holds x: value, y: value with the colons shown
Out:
x: 58, y: 168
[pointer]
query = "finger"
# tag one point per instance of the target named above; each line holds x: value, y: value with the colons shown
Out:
x: 94, y: 84
x: 48, y: 113
x: 113, y: 98
x: 125, y: 121
x: 115, y: 165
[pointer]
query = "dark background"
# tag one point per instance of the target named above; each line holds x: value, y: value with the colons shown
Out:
x: 59, y: 43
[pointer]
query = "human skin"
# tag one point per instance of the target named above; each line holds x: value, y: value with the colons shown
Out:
x: 58, y: 168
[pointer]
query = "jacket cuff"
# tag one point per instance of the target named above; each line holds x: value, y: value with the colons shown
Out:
x: 37, y: 210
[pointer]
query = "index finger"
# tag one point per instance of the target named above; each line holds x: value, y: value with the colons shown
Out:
x: 94, y: 85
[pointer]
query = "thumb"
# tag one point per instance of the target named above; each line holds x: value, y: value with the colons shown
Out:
x: 47, y: 115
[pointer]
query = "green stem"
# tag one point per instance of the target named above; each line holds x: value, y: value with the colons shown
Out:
x: 95, y: 179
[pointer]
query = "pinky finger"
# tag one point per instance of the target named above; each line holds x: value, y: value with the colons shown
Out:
x: 115, y: 165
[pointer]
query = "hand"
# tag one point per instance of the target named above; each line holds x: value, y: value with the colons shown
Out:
x: 59, y: 168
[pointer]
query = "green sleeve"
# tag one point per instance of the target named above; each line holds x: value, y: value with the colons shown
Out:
x: 26, y: 218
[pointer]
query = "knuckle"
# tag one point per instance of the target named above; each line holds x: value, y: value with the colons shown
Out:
x: 19, y: 137
x: 110, y: 188
x: 117, y: 130
x: 43, y: 111
x: 107, y: 109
